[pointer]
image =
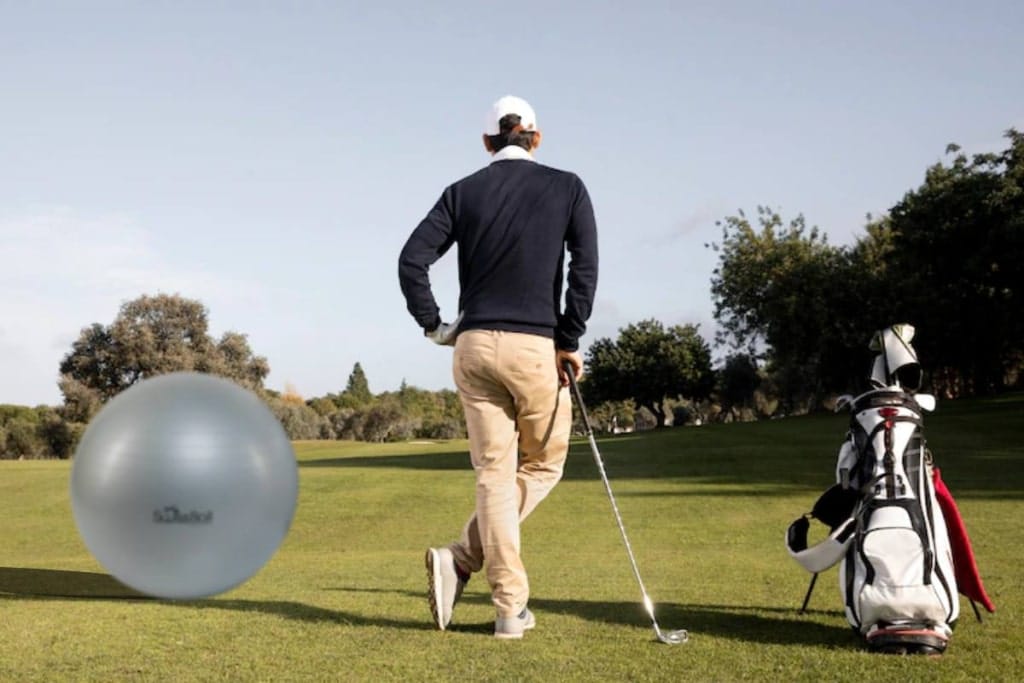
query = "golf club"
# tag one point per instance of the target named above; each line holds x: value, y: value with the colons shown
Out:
x: 667, y: 637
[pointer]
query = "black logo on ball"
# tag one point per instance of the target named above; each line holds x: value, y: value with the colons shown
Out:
x: 170, y: 514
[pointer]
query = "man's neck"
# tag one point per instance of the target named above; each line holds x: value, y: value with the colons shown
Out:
x: 511, y: 152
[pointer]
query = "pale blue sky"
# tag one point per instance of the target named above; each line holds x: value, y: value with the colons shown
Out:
x: 270, y: 158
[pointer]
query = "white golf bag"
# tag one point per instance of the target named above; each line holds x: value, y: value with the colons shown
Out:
x: 888, y: 535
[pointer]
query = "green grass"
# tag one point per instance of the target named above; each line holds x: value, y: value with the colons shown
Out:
x: 343, y: 599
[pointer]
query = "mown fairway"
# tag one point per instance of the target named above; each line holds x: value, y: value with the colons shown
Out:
x: 343, y: 599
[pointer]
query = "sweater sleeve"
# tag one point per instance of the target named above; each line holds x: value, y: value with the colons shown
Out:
x: 428, y: 242
x: 581, y: 241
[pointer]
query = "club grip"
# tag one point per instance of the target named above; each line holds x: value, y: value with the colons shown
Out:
x: 571, y: 372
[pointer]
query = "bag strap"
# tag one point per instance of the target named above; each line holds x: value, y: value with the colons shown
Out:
x: 820, y: 556
x: 835, y: 508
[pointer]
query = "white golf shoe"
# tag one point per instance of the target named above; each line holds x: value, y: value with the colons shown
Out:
x: 444, y: 587
x: 512, y: 628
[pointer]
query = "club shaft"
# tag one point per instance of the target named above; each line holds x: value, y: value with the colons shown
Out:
x: 671, y: 637
x: 608, y: 488
x: 618, y: 515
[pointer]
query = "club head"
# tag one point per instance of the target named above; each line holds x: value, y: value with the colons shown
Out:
x: 673, y: 637
x: 667, y: 637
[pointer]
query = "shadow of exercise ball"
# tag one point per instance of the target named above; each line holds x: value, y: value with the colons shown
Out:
x: 184, y: 485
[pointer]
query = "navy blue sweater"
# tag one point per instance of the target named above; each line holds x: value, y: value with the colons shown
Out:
x: 513, y: 221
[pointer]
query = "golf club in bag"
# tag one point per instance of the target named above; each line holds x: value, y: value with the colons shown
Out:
x: 667, y: 637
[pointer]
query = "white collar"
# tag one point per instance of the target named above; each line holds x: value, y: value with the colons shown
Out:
x: 511, y: 152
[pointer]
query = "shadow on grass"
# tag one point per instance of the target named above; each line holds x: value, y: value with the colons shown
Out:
x: 457, y: 460
x: 705, y: 468
x: 752, y: 624
x: 18, y: 583
x: 776, y: 625
x: 775, y: 458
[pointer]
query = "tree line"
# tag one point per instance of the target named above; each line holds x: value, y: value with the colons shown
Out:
x: 948, y: 258
x: 794, y: 315
x: 154, y: 335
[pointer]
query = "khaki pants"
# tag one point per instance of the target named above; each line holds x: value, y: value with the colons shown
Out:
x: 519, y: 421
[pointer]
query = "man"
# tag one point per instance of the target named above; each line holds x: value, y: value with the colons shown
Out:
x: 512, y: 221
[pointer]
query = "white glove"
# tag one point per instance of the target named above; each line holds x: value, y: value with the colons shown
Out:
x: 445, y: 333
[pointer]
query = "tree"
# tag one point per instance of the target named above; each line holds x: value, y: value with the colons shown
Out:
x: 38, y: 432
x: 298, y: 420
x: 59, y: 435
x: 608, y: 417
x: 322, y: 406
x: 738, y: 379
x: 19, y: 426
x: 357, y: 392
x: 410, y: 412
x: 232, y: 358
x: 947, y: 258
x: 386, y: 421
x: 81, y: 401
x: 434, y: 414
x: 649, y: 363
x: 150, y: 336
x: 22, y: 439
x: 957, y: 245
x: 783, y: 294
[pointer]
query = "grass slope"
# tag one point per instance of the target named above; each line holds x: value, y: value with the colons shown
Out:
x: 343, y: 599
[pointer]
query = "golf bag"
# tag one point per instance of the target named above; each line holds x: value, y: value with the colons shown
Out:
x: 888, y: 531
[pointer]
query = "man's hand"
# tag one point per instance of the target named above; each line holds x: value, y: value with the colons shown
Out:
x: 445, y: 333
x: 575, y: 360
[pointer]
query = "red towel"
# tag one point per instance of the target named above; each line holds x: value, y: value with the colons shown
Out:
x: 968, y: 580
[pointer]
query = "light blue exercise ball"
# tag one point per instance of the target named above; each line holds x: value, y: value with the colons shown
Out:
x: 184, y: 485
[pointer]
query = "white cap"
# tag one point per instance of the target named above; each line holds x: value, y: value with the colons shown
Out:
x: 510, y: 104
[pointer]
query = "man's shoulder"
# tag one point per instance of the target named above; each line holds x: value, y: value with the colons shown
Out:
x: 522, y: 168
x: 475, y: 176
x: 551, y: 174
x: 569, y: 175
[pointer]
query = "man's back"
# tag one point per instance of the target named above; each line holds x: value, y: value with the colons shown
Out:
x: 512, y: 221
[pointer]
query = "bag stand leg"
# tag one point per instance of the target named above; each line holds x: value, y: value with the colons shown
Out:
x: 810, y: 589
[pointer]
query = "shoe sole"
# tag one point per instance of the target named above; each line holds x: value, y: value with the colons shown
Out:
x: 508, y: 636
x: 434, y: 587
